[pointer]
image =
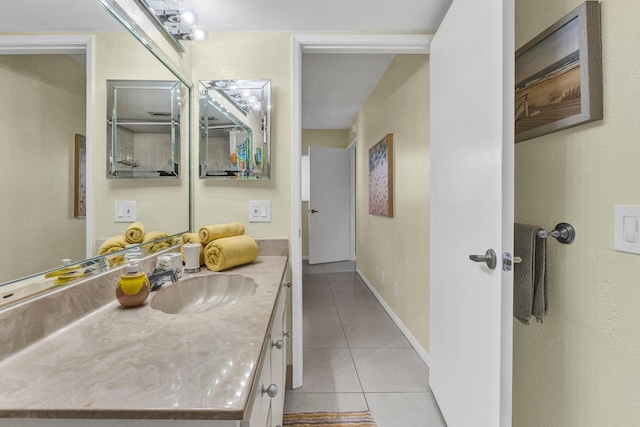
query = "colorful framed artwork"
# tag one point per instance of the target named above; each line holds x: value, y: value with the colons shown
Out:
x: 558, y: 75
x: 381, y: 177
x: 80, y: 178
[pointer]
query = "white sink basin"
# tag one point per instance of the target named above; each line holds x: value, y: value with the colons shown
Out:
x: 203, y: 293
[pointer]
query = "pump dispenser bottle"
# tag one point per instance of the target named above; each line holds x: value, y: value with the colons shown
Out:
x: 133, y: 287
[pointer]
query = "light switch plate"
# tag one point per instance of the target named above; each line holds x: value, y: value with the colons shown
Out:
x: 260, y: 211
x: 626, y: 220
x: 125, y: 211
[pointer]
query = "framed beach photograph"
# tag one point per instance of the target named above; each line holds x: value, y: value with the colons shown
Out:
x: 80, y: 177
x: 558, y: 75
x: 381, y: 177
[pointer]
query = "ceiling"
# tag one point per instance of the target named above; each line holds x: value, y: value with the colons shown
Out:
x: 334, y: 86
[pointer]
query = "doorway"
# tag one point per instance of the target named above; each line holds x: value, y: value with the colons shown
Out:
x: 324, y: 43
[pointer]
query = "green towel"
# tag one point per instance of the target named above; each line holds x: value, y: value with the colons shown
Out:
x: 529, y: 276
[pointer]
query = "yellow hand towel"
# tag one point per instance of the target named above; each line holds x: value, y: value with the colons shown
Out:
x: 112, y: 244
x: 192, y: 238
x: 154, y: 246
x: 135, y: 233
x: 228, y: 252
x: 212, y: 232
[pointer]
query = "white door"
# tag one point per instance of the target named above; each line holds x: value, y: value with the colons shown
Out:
x: 329, y: 230
x: 472, y: 57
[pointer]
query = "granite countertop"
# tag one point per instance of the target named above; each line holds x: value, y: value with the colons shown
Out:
x: 143, y: 363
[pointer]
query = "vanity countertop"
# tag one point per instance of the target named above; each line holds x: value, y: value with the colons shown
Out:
x: 141, y: 363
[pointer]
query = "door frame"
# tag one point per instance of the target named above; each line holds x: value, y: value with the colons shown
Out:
x: 66, y: 45
x: 323, y: 43
x: 353, y: 150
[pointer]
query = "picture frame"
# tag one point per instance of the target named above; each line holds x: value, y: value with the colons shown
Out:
x: 80, y: 177
x: 558, y: 75
x: 381, y: 177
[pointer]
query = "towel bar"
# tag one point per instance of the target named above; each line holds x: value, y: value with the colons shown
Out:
x: 563, y: 233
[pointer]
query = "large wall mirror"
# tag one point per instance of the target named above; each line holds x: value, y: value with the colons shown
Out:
x: 54, y: 97
x: 235, y: 127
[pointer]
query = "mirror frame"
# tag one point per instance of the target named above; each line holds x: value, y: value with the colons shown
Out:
x: 227, y: 99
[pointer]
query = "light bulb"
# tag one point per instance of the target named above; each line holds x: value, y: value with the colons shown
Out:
x: 257, y: 106
x: 200, y: 34
x: 188, y: 17
x: 245, y: 94
x: 251, y: 100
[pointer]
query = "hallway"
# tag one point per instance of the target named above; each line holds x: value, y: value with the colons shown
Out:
x: 355, y: 357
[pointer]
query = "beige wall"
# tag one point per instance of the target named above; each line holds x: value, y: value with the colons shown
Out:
x: 43, y: 107
x: 249, y: 56
x: 582, y: 366
x: 399, y: 246
x: 162, y: 204
x: 333, y: 138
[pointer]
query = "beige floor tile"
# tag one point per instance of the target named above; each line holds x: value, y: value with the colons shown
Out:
x: 324, y: 402
x: 324, y: 334
x: 390, y: 370
x: 405, y: 409
x: 373, y: 334
x: 336, y: 267
x: 328, y: 370
x: 361, y: 310
x: 319, y: 310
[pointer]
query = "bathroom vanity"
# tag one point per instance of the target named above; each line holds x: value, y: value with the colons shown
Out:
x: 208, y: 350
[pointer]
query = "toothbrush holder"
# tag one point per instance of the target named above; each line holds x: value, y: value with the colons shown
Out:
x: 192, y: 257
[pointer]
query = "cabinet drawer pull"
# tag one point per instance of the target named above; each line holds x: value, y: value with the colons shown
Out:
x: 287, y: 334
x: 278, y: 344
x: 287, y: 285
x: 271, y: 391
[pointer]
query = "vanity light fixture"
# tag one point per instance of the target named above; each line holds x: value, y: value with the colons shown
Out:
x: 181, y: 24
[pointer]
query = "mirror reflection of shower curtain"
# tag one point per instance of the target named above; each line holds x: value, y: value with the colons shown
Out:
x: 240, y: 150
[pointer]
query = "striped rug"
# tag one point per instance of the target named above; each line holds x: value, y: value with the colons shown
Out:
x: 329, y: 419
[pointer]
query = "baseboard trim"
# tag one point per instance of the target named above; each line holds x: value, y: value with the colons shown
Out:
x: 424, y: 355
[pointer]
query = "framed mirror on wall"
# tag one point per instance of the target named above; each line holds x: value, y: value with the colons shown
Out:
x: 143, y: 129
x: 47, y: 228
x: 234, y: 126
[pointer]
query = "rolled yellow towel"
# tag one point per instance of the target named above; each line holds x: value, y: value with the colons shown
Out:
x: 192, y: 238
x: 153, y: 245
x: 135, y: 233
x: 212, y: 232
x: 112, y: 244
x: 228, y: 252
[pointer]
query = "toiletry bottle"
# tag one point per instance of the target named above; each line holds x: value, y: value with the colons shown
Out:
x: 133, y: 287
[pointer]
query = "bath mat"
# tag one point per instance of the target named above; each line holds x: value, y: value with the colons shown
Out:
x: 329, y: 419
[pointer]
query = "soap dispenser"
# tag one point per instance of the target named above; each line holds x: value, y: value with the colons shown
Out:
x: 133, y: 287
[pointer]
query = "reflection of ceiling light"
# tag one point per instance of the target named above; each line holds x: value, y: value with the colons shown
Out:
x: 251, y: 100
x: 257, y: 106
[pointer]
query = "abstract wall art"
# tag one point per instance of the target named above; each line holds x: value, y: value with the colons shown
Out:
x: 381, y: 177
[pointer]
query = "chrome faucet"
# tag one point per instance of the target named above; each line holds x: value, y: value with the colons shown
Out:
x: 156, y: 279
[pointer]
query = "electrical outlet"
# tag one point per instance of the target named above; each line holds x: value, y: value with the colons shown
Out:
x: 260, y: 211
x: 395, y: 289
x: 125, y: 211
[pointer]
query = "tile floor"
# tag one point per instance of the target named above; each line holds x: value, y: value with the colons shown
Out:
x: 355, y: 357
